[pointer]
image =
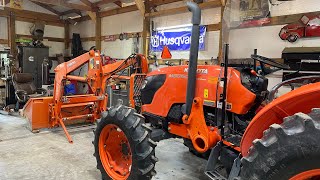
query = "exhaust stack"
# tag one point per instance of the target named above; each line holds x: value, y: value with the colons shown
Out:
x: 193, y: 57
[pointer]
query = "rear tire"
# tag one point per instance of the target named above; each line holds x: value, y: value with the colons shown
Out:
x: 141, y: 147
x: 285, y: 150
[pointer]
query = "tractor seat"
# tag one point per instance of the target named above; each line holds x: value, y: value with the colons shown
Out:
x: 25, y: 88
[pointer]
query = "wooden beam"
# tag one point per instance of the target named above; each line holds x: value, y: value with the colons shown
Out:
x: 141, y: 7
x: 146, y: 29
x: 91, y: 5
x: 205, y: 5
x: 92, y: 15
x: 210, y: 27
x: 162, y: 2
x: 24, y: 36
x: 64, y: 4
x: 66, y: 35
x: 47, y: 7
x: 31, y: 16
x: 123, y: 9
x: 84, y: 39
x: 12, y: 34
x: 103, y: 2
x: 4, y: 13
x: 4, y: 41
x: 220, y: 55
x: 52, y: 23
x: 76, y: 11
x: 87, y: 3
x: 118, y: 11
x: 98, y: 33
x: 213, y: 27
x: 118, y: 3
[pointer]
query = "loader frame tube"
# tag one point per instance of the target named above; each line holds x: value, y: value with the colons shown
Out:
x: 193, y: 57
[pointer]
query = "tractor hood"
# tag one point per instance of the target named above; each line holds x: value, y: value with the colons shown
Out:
x: 172, y: 70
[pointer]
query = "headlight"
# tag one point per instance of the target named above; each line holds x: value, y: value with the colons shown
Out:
x: 284, y: 31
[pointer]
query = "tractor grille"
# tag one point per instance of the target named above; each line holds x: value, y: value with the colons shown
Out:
x: 137, y: 85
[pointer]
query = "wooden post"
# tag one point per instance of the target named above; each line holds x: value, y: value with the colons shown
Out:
x: 220, y: 56
x: 8, y: 30
x: 146, y: 30
x: 98, y: 32
x: 146, y: 36
x: 66, y: 35
x: 12, y: 33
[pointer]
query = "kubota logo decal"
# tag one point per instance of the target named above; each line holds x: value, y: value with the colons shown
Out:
x: 199, y: 71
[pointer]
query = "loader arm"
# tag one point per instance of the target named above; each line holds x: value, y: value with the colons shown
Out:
x: 60, y: 108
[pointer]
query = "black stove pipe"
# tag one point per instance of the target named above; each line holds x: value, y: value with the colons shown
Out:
x: 193, y: 58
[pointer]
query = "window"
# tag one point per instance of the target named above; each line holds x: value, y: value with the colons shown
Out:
x: 314, y: 22
x: 304, y: 19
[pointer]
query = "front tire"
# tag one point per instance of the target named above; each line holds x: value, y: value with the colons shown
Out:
x: 123, y: 148
x: 286, y: 151
x: 292, y: 38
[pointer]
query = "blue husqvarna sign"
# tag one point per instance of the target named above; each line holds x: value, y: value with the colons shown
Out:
x: 178, y: 39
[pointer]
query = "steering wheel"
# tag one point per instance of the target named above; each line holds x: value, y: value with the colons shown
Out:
x: 269, y: 61
x: 93, y: 48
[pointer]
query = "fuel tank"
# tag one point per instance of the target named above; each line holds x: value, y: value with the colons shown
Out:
x: 167, y: 86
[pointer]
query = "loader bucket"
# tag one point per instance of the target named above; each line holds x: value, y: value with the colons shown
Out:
x: 36, y: 111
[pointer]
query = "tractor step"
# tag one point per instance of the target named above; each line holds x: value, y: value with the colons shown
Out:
x: 214, y: 175
x: 211, y: 171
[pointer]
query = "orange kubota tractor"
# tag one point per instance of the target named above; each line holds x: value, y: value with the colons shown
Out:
x: 215, y: 109
x: 50, y: 112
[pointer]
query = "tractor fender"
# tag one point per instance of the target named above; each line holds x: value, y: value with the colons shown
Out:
x: 302, y: 100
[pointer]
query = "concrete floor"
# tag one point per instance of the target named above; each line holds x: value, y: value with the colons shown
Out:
x: 48, y: 155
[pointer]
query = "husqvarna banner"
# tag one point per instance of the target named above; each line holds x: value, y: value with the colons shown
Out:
x: 178, y: 39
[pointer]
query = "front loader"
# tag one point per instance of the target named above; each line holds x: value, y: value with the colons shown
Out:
x: 61, y: 109
x: 219, y: 112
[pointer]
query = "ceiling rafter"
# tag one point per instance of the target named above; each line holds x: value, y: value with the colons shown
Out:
x: 118, y: 3
x: 87, y: 3
x: 64, y: 4
x: 141, y: 7
x: 125, y: 9
x: 94, y: 7
x: 47, y: 7
x: 103, y: 2
x: 183, y: 9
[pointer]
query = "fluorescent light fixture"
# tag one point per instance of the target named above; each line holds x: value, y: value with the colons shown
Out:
x: 74, y: 17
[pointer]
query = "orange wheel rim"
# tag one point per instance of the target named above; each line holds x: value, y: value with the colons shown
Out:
x: 115, y: 152
x: 306, y: 175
